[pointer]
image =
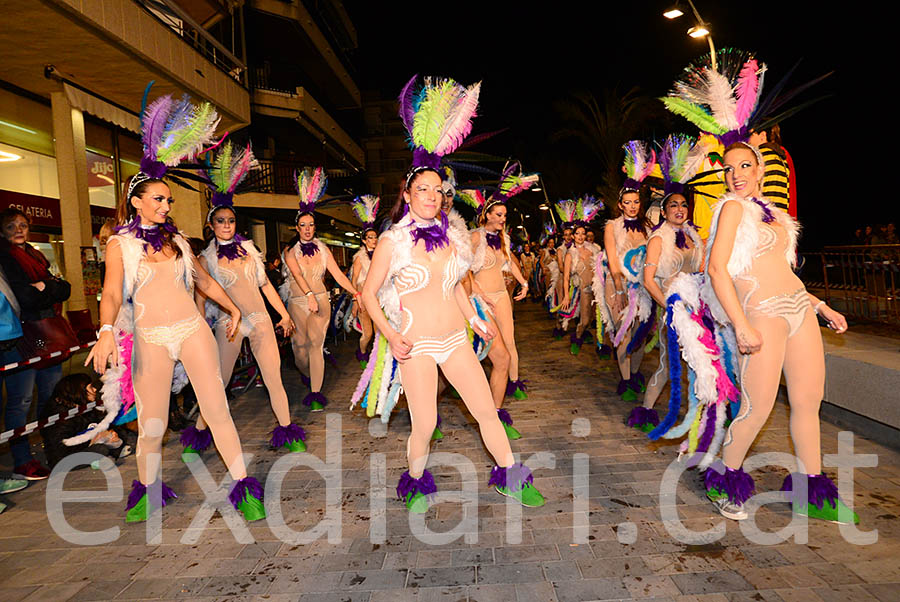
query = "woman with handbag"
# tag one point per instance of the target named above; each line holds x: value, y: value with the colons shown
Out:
x: 39, y: 295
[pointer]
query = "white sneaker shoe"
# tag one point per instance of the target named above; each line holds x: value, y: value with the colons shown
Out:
x: 729, y: 509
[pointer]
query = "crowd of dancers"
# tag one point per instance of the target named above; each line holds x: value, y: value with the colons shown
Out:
x: 433, y: 296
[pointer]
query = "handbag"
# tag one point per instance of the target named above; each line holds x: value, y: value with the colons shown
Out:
x: 44, y: 337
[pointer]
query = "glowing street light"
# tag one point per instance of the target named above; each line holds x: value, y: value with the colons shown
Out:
x: 673, y: 13
x: 698, y: 31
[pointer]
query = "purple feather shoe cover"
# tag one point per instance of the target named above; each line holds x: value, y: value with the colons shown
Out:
x: 516, y: 482
x: 643, y: 419
x: 194, y: 441
x: 721, y: 481
x: 507, y: 421
x: 315, y: 401
x: 139, y: 507
x: 291, y: 437
x: 416, y: 493
x: 821, y: 499
x: 517, y: 389
x: 246, y: 496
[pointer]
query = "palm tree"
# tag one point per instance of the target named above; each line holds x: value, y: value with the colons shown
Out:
x: 603, y: 126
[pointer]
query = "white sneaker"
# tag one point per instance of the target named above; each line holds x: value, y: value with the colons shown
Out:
x: 729, y: 509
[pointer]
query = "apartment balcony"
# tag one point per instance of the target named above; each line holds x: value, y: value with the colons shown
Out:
x: 113, y: 48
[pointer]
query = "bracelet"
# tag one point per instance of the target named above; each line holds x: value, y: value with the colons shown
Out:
x: 816, y: 308
x: 104, y: 328
x: 358, y: 294
x: 620, y: 292
x: 308, y: 293
x: 477, y: 323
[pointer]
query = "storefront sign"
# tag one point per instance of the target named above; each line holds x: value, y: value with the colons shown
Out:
x: 44, y: 211
x: 101, y: 171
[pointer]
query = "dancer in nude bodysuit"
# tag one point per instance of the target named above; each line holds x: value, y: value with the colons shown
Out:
x: 304, y: 289
x: 366, y: 209
x: 624, y: 241
x: 149, y: 319
x: 237, y: 265
x: 560, y: 258
x: 152, y: 267
x: 752, y: 249
x: 421, y: 308
x: 578, y: 269
x: 674, y: 247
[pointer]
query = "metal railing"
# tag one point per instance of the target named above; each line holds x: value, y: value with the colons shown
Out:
x: 277, y: 177
x: 176, y: 18
x: 861, y: 281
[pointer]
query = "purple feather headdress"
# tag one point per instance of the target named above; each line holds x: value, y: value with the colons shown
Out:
x: 365, y: 208
x: 438, y: 117
x: 226, y: 172
x: 171, y: 132
x: 639, y: 162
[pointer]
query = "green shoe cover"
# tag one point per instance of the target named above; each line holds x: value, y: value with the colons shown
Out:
x: 252, y: 508
x: 363, y: 364
x: 714, y: 494
x: 629, y: 395
x: 520, y: 394
x: 138, y: 512
x: 417, y: 503
x: 295, y: 446
x: 574, y: 348
x: 839, y: 513
x: 511, y: 432
x: 527, y: 496
x: 315, y: 406
x: 437, y: 434
x: 189, y: 454
x: 645, y: 427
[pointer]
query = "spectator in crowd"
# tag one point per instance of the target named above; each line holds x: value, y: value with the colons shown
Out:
x: 273, y: 268
x: 858, y: 237
x: 38, y: 294
x: 890, y: 232
x: 70, y: 392
x: 867, y: 237
x: 10, y: 332
x: 879, y: 235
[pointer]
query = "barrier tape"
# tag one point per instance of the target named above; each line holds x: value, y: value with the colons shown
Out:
x: 39, y: 358
x: 33, y: 426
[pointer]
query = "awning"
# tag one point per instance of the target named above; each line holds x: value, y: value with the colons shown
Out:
x: 102, y: 109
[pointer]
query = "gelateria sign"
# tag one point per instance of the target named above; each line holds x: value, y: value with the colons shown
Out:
x: 44, y: 211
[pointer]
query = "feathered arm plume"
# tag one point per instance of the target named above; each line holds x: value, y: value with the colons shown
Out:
x: 512, y: 182
x: 474, y: 198
x: 365, y: 208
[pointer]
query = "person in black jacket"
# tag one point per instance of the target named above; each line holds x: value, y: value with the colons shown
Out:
x: 70, y: 392
x: 38, y: 293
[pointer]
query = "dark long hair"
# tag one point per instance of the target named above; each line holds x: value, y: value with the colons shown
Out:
x: 126, y: 213
x: 642, y: 206
x: 71, y: 391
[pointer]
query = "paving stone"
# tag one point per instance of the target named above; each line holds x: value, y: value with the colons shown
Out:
x: 706, y: 583
x: 510, y: 573
x: 651, y: 586
x: 441, y: 576
x: 371, y: 580
x: 591, y: 589
x: 535, y: 592
x: 236, y: 586
x: 562, y: 570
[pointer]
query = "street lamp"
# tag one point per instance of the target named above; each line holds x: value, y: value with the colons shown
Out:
x: 700, y: 30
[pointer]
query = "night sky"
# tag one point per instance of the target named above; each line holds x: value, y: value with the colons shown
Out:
x: 529, y: 59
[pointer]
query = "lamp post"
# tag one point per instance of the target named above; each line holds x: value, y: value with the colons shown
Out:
x: 700, y: 30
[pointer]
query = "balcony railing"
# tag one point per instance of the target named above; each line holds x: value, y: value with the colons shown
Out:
x: 175, y: 18
x: 277, y: 177
x: 861, y: 281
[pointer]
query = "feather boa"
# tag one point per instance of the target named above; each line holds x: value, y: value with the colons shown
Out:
x: 209, y: 254
x: 669, y: 259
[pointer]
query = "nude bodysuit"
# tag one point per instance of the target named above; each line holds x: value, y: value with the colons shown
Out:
x: 777, y: 306
x: 168, y: 327
x: 580, y: 275
x: 308, y: 340
x: 240, y: 280
x: 491, y: 280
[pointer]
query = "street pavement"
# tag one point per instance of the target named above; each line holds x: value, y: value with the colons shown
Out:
x: 601, y: 535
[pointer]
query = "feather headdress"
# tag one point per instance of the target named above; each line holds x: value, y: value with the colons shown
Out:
x: 437, y: 116
x: 365, y: 208
x: 310, y: 185
x: 728, y: 101
x: 639, y: 161
x: 227, y: 170
x: 171, y: 132
x: 680, y: 160
x: 513, y: 181
x: 566, y: 210
x: 586, y: 209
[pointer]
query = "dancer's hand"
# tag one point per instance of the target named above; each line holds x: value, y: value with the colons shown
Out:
x: 286, y: 325
x: 104, y: 349
x: 490, y: 332
x: 523, y: 290
x: 748, y: 339
x: 565, y: 303
x: 355, y: 311
x: 618, y: 304
x: 313, y: 304
x: 234, y: 323
x: 400, y: 347
x: 836, y: 320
